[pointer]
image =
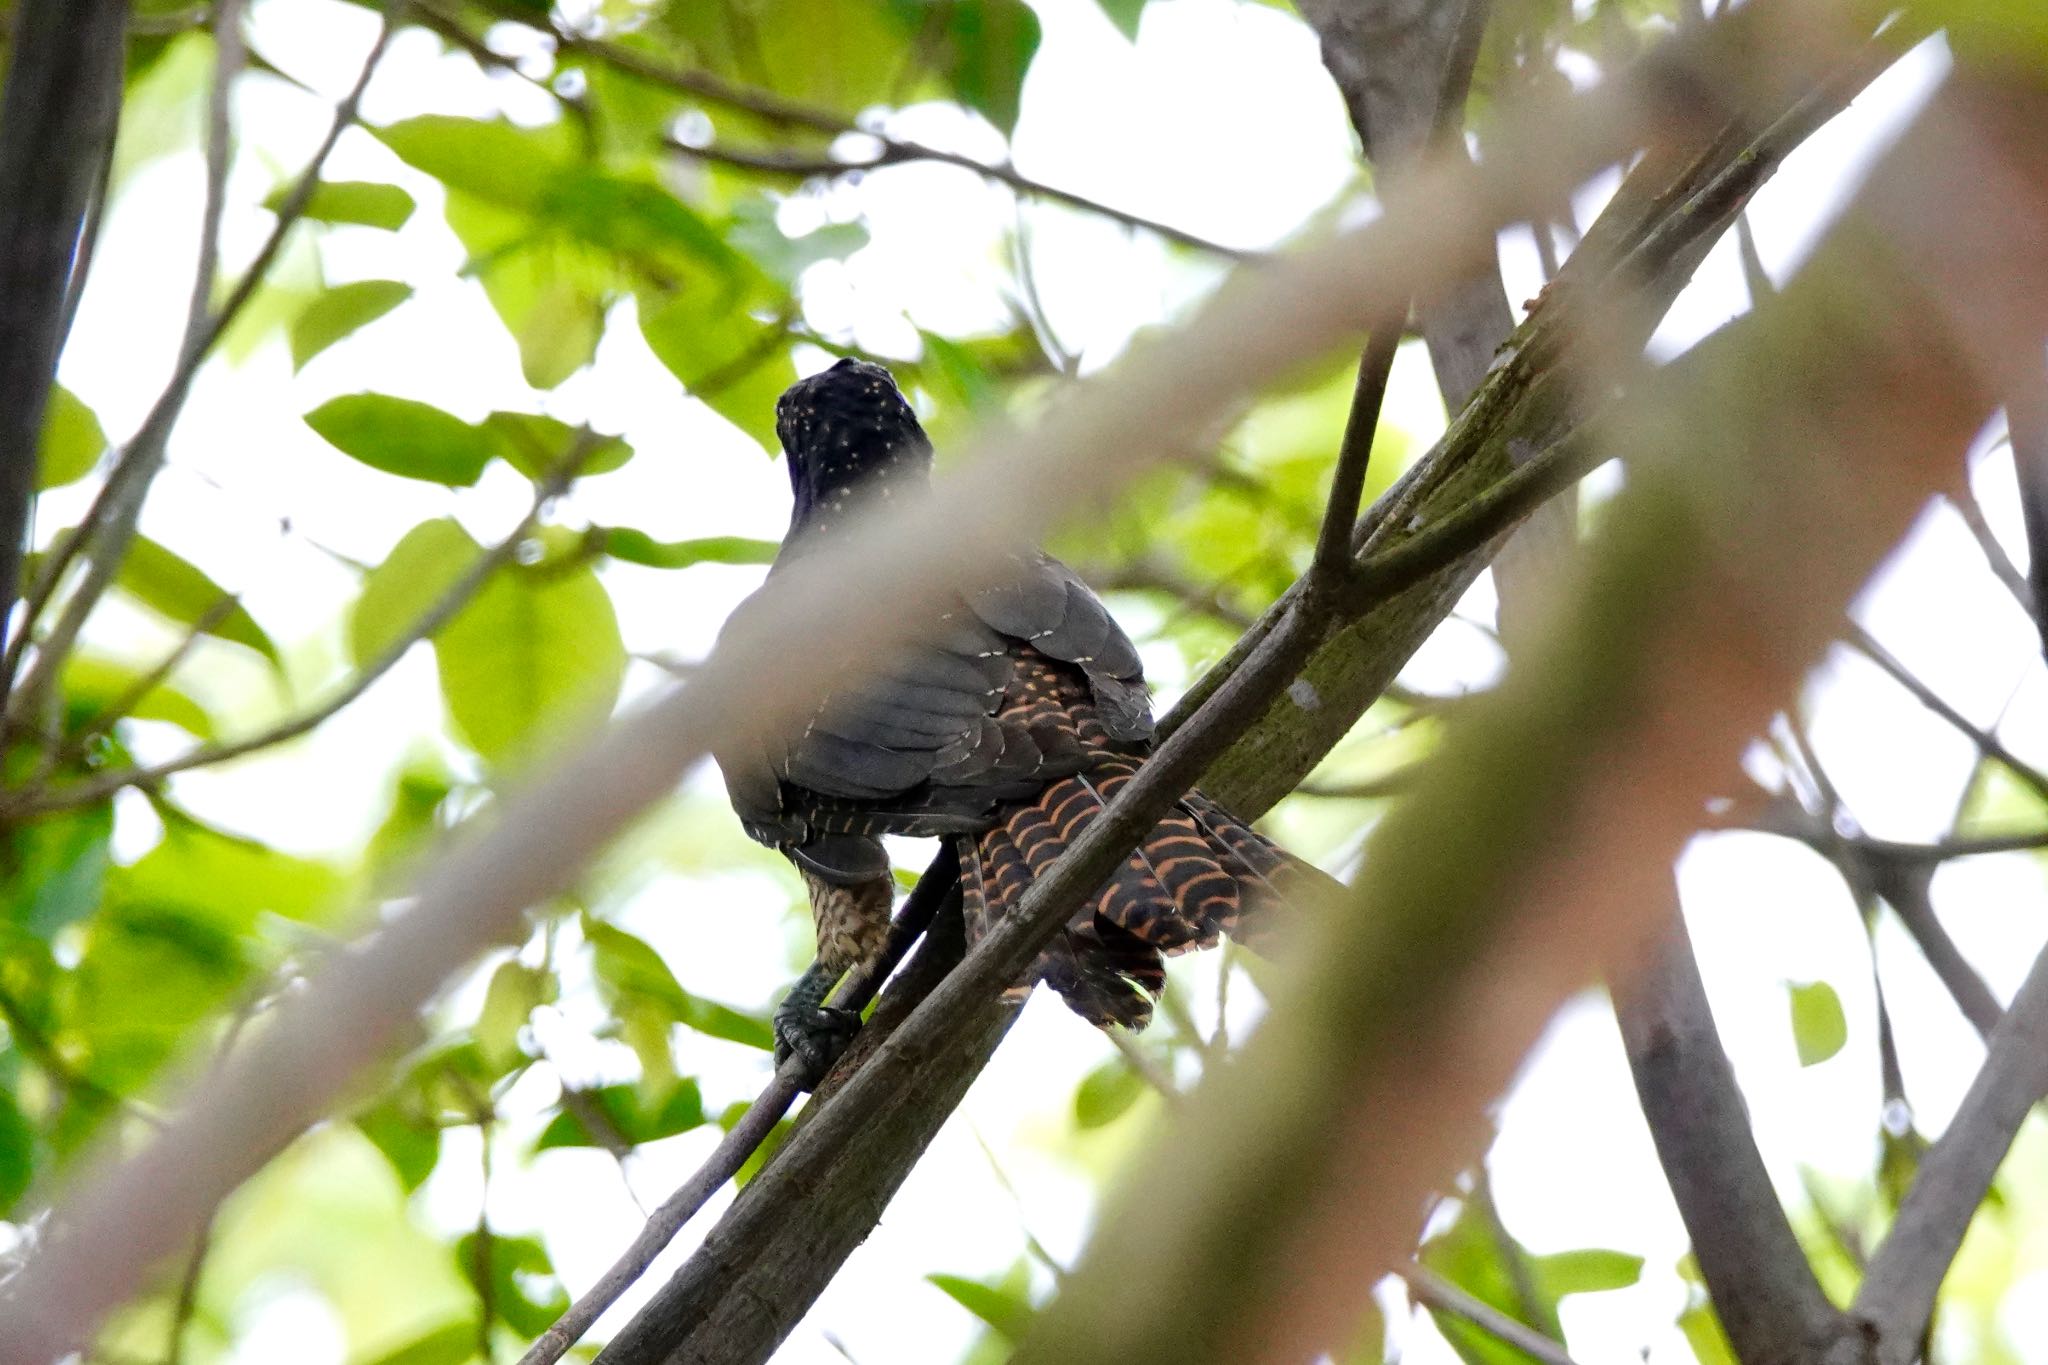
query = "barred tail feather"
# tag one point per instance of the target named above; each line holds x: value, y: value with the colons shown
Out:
x: 1199, y: 874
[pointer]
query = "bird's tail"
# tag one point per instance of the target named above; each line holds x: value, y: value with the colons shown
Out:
x: 1199, y: 874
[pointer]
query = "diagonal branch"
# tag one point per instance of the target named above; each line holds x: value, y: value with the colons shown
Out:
x: 1896, y: 1299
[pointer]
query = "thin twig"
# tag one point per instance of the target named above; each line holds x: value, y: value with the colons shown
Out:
x: 104, y: 720
x: 228, y: 56
x: 1432, y: 1290
x: 444, y: 609
x: 1987, y: 743
x: 1964, y: 500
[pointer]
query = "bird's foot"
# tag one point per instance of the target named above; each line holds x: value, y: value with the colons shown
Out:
x: 810, y: 1030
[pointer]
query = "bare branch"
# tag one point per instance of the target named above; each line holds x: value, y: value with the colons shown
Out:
x: 1987, y: 743
x: 1896, y: 1299
x: 1763, y: 1288
x: 2026, y: 418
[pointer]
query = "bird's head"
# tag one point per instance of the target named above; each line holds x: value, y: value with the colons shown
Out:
x: 849, y: 434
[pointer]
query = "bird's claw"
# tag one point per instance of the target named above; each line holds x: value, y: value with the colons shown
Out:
x: 817, y: 1034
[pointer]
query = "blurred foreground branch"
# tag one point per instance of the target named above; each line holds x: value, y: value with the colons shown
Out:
x: 1771, y: 478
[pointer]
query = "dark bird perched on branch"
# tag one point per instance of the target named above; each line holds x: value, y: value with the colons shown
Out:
x: 1006, y: 733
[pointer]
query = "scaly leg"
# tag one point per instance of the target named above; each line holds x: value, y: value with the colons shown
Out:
x: 853, y: 923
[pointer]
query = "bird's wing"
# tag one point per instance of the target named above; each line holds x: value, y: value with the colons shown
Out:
x: 951, y: 726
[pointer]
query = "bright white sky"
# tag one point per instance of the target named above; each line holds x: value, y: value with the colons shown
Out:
x: 1141, y: 126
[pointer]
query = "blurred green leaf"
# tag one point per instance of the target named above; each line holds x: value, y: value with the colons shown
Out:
x: 227, y: 880
x: 1107, y: 1093
x: 733, y: 364
x: 517, y: 1266
x: 451, y: 1343
x: 1124, y: 14
x: 516, y: 990
x: 17, y: 1153
x: 400, y: 436
x: 53, y: 871
x: 1009, y: 1313
x: 148, y: 973
x: 414, y: 577
x: 164, y: 582
x: 981, y: 47
x: 537, y: 648
x: 408, y: 1144
x: 73, y: 440
x: 413, y: 818
x: 341, y: 311
x: 1591, y: 1270
x: 755, y: 232
x: 494, y: 160
x: 630, y: 972
x: 92, y: 683
x: 1818, y: 1026
x: 351, y: 201
x: 628, y: 1117
x: 637, y: 547
x: 535, y: 445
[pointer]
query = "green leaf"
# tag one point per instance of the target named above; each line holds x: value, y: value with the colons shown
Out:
x: 516, y: 1266
x: 629, y: 1118
x: 412, y: 820
x: 415, y: 576
x: 147, y: 975
x: 630, y: 972
x: 489, y: 158
x: 73, y: 440
x: 93, y: 683
x: 17, y: 1153
x: 535, y: 445
x: 53, y: 871
x: 1591, y: 1270
x: 411, y: 1147
x: 451, y: 1343
x: 341, y: 311
x: 1107, y: 1093
x: 516, y: 990
x: 351, y: 201
x: 637, y: 547
x: 983, y: 48
x: 734, y: 365
x: 755, y: 232
x: 228, y: 881
x: 400, y: 436
x: 1818, y: 1026
x: 1124, y: 14
x: 168, y: 585
x: 1009, y: 1314
x: 538, y: 649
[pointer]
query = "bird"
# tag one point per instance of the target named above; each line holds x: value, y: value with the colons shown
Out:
x: 1005, y: 732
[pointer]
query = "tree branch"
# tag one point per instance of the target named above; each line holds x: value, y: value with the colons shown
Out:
x: 1764, y: 1290
x: 1987, y: 743
x: 1896, y: 1299
x: 57, y: 117
x: 2026, y: 421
